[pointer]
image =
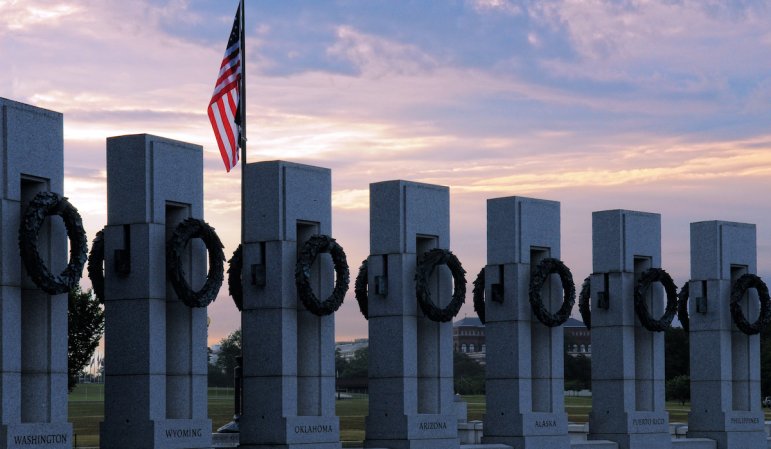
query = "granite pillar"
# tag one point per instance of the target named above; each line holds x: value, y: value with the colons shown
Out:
x: 725, y: 363
x: 288, y: 352
x: 33, y: 324
x: 525, y: 371
x: 627, y: 359
x: 411, y: 401
x: 155, y: 346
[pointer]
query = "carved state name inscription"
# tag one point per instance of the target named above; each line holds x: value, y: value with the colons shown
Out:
x: 184, y: 433
x: 545, y: 423
x: 34, y: 440
x: 745, y: 421
x: 648, y: 421
x: 432, y: 425
x: 323, y: 428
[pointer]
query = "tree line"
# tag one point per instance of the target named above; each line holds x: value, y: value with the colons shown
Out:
x: 469, y: 376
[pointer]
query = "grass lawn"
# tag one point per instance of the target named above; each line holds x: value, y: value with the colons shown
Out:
x: 86, y: 409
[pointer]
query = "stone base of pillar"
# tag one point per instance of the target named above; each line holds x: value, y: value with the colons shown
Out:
x: 422, y: 431
x: 534, y: 425
x: 291, y: 432
x: 159, y: 434
x: 413, y: 444
x: 731, y: 439
x: 292, y: 446
x: 531, y: 441
x: 26, y: 435
x: 636, y: 440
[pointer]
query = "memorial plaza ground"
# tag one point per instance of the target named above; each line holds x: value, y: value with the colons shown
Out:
x: 86, y: 411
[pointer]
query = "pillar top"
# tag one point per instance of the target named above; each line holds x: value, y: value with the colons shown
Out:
x: 516, y: 225
x: 146, y: 173
x: 32, y: 142
x: 279, y: 194
x: 401, y: 211
x: 717, y: 246
x: 620, y: 236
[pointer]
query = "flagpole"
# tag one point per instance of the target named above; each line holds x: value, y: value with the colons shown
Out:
x: 242, y: 108
x: 238, y: 392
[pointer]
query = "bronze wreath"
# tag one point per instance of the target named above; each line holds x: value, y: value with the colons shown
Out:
x: 360, y: 289
x: 45, y: 204
x: 425, y: 266
x: 478, y: 293
x: 738, y: 290
x: 584, y: 302
x: 302, y: 275
x: 682, y: 307
x: 648, y: 277
x: 96, y: 266
x: 235, y: 287
x: 185, y: 231
x: 539, y: 278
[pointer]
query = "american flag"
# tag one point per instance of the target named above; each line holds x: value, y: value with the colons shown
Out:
x: 223, y: 108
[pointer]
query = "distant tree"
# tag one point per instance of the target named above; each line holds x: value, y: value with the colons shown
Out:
x: 358, y: 366
x: 217, y: 378
x: 230, y: 348
x: 578, y: 372
x: 469, y: 376
x: 340, y: 363
x: 85, y: 321
x: 765, y: 362
x: 676, y: 353
x: 678, y: 388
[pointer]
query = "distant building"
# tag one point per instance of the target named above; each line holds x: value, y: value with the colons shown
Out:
x: 468, y: 335
x: 214, y: 353
x: 578, y: 339
x: 348, y: 348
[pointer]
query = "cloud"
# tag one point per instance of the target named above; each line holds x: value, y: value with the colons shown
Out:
x: 379, y: 57
x: 674, y: 46
x: 18, y: 16
x: 497, y: 6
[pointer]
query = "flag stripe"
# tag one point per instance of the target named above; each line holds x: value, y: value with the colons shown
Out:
x: 225, y: 100
x: 226, y: 137
x: 214, y: 120
x: 229, y: 75
x: 232, y: 107
x: 227, y: 120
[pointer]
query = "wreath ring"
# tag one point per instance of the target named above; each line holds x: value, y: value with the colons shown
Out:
x: 478, y: 293
x: 425, y: 266
x: 648, y: 277
x: 96, y: 266
x: 235, y: 287
x: 682, y: 306
x: 185, y: 231
x: 45, y: 204
x: 315, y: 245
x: 738, y: 290
x: 584, y: 303
x: 360, y: 289
x: 537, y: 281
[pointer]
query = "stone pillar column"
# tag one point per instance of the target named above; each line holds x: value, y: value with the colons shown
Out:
x: 289, y: 353
x: 33, y: 345
x: 155, y: 346
x: 411, y: 401
x: 525, y: 382
x: 725, y: 363
x: 627, y: 359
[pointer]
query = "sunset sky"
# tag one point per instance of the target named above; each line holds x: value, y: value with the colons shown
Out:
x: 651, y: 105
